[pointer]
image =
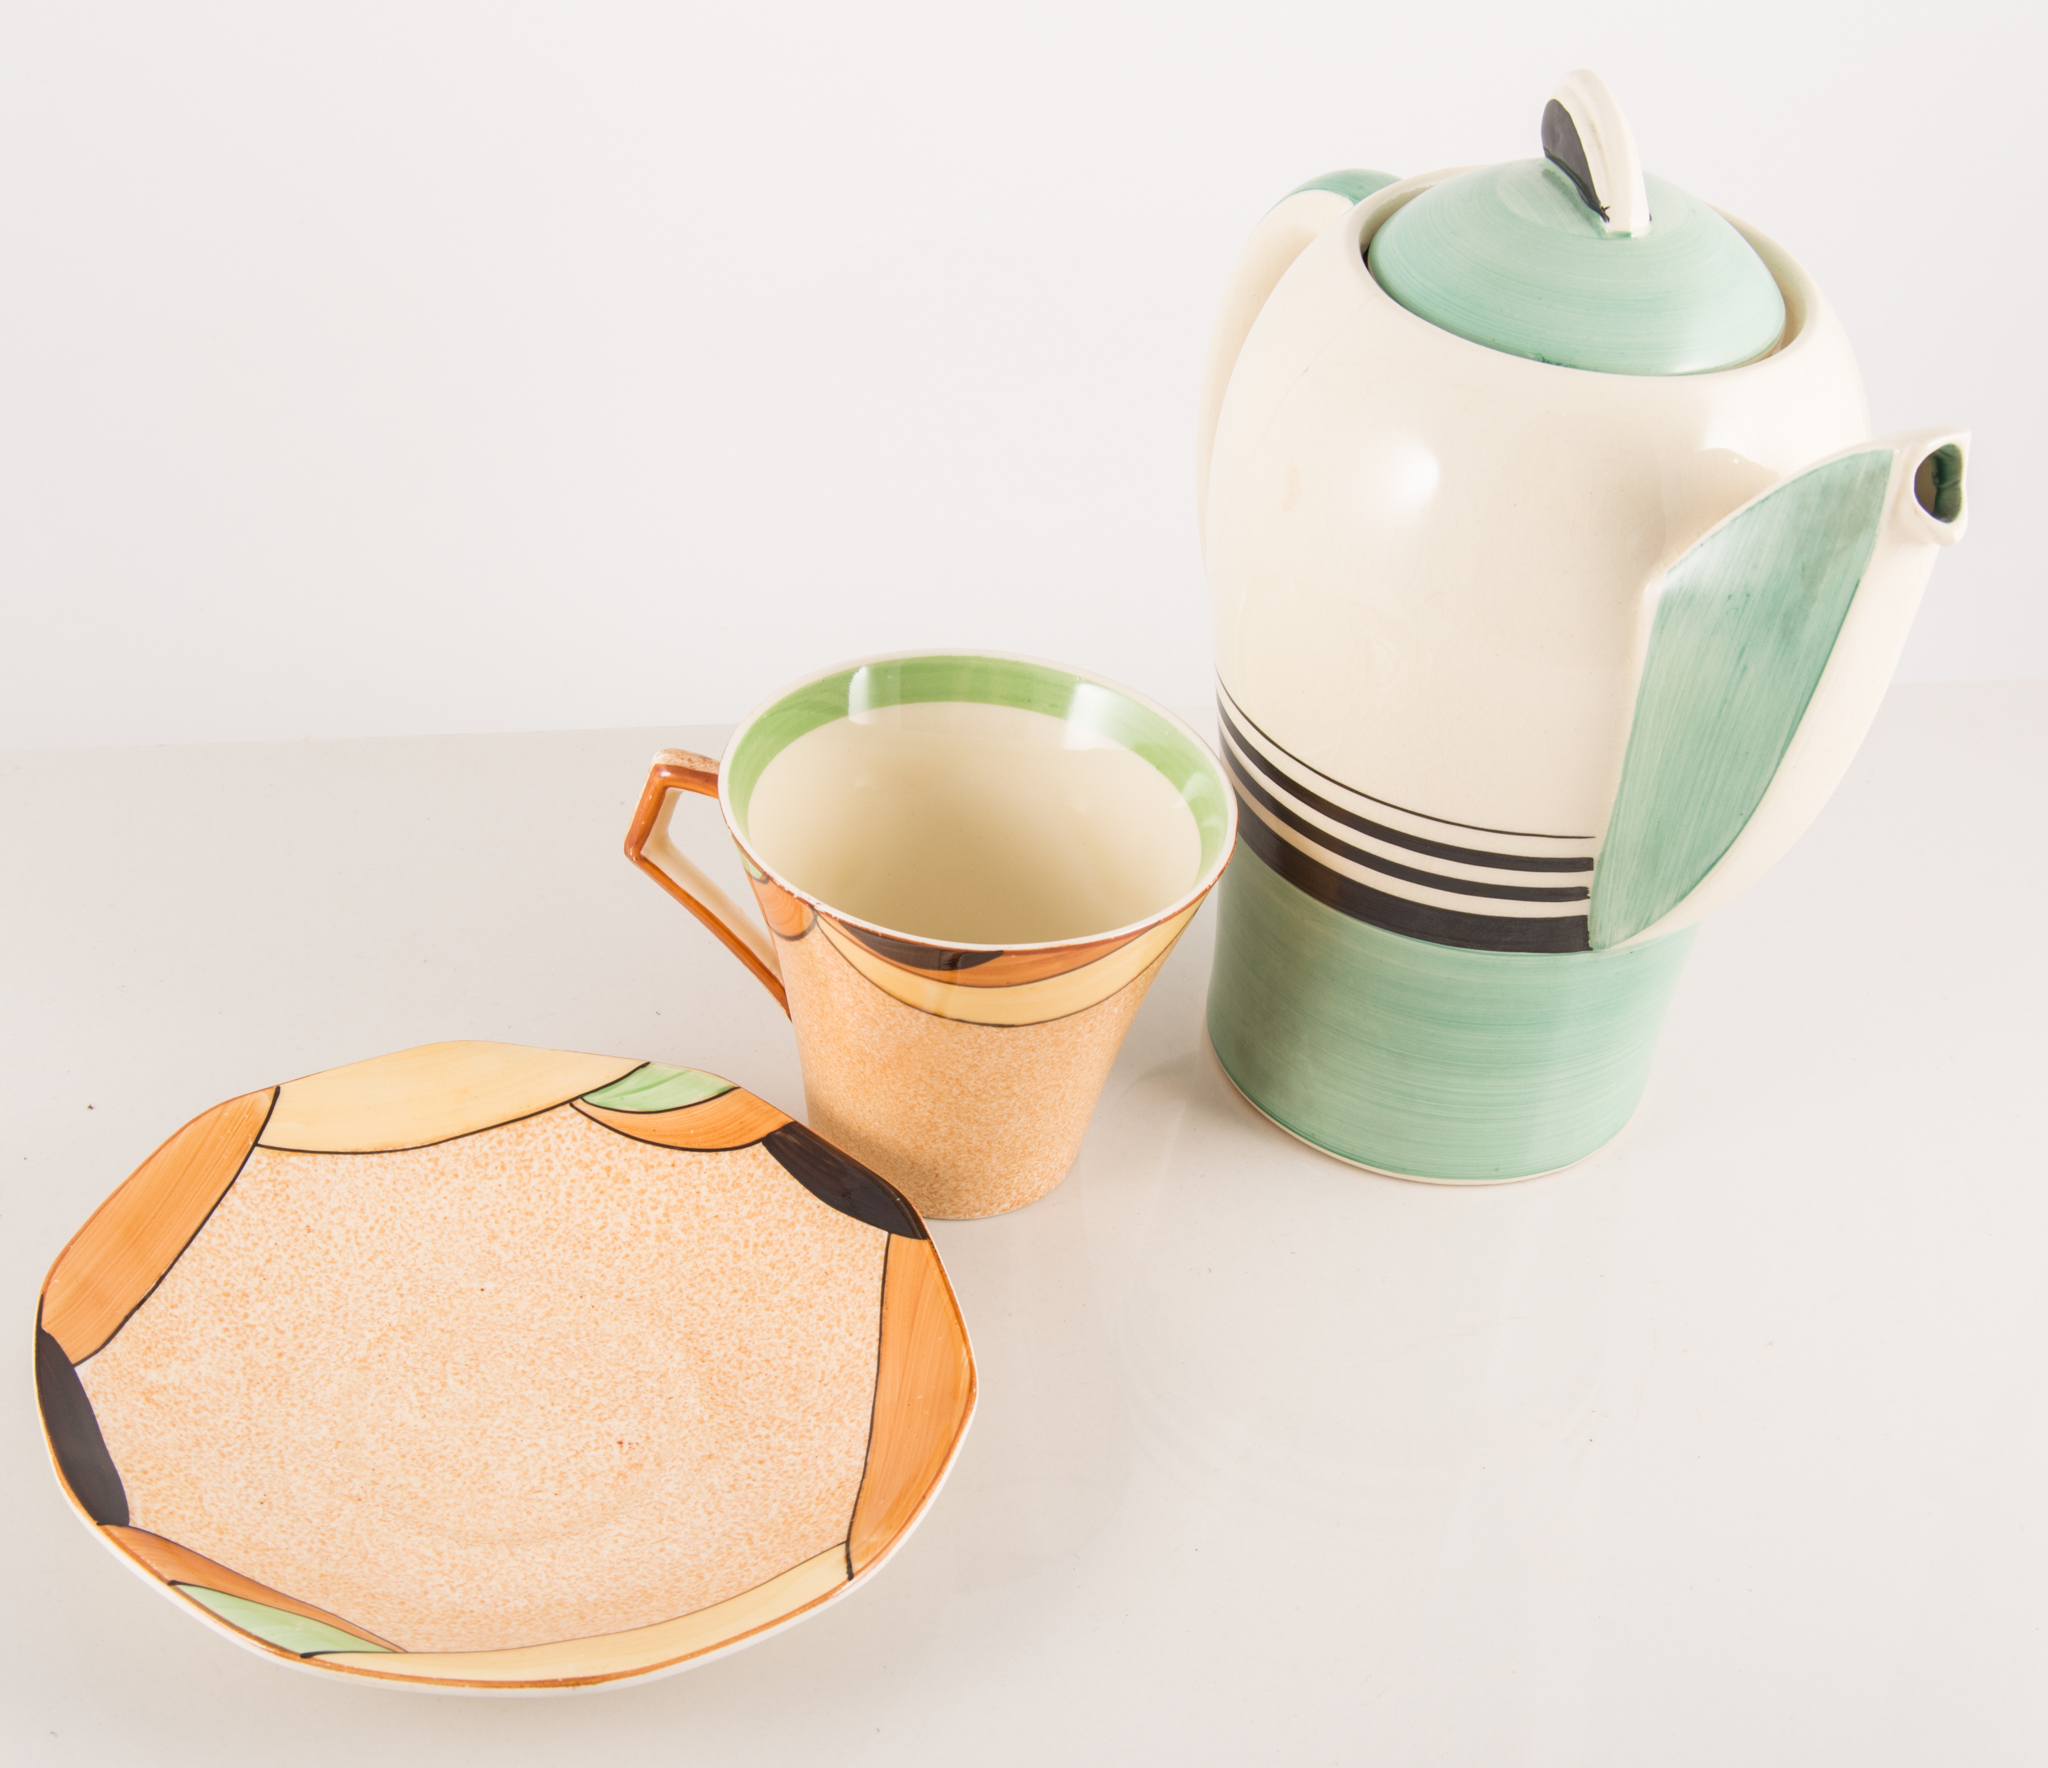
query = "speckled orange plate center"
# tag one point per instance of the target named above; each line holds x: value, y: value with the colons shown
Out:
x: 492, y: 1367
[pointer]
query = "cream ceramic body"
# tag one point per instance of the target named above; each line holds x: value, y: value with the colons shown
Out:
x: 1433, y: 564
x: 1436, y: 570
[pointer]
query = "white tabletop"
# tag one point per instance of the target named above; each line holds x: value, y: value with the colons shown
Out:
x: 1726, y: 1446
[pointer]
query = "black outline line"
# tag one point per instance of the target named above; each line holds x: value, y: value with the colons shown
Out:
x: 443, y: 1141
x: 590, y: 1098
x: 673, y: 1147
x: 984, y: 1025
x: 809, y: 1134
x: 874, y: 1407
x: 185, y: 1588
x: 628, y: 1075
x: 233, y: 1180
x: 1398, y: 914
x: 905, y: 951
x: 1469, y: 856
x: 1223, y: 693
x: 1429, y: 880
x: 186, y: 1584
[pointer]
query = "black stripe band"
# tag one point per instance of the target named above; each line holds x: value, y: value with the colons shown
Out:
x: 916, y: 953
x: 1469, y: 856
x: 1224, y: 696
x: 1486, y: 933
x: 1435, y: 881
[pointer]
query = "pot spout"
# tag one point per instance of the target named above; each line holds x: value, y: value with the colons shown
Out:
x: 1773, y: 640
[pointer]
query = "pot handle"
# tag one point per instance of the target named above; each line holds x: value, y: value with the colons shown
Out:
x: 649, y: 847
x: 1288, y: 229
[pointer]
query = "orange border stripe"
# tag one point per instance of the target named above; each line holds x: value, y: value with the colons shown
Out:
x: 133, y: 1238
x: 732, y: 1120
x: 924, y: 1395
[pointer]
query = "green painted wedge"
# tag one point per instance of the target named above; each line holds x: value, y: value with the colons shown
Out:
x: 1745, y: 625
x: 277, y: 1626
x: 656, y: 1087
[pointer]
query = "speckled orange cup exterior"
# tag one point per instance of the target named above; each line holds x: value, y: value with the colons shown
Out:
x: 965, y: 1075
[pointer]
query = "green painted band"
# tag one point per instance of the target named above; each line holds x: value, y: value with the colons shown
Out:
x: 1429, y: 1060
x: 1093, y: 706
x: 655, y: 1087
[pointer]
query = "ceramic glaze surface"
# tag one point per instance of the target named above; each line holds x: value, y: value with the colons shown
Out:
x: 976, y: 824
x: 971, y: 792
x: 1541, y: 630
x: 1425, y: 1060
x: 1744, y: 628
x: 1354, y: 184
x: 1506, y: 706
x: 1511, y: 257
x: 575, y: 1395
x: 624, y: 1486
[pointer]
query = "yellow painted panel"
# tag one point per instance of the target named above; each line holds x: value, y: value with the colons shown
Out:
x: 619, y: 1654
x: 430, y: 1094
x: 1023, y: 1003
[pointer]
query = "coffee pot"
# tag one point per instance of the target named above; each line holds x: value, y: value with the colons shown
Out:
x: 1556, y: 578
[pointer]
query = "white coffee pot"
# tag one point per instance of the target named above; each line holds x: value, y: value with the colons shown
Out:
x: 1556, y: 578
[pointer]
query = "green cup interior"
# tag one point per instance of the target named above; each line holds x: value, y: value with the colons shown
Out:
x: 1093, y: 706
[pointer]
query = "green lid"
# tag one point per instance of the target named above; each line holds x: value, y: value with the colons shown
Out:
x: 1579, y: 259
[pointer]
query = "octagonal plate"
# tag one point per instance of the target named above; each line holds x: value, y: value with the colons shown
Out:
x: 485, y: 1367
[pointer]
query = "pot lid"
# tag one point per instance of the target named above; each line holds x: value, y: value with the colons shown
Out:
x: 1579, y: 258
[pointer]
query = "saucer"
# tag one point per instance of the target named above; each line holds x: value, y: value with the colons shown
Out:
x: 484, y: 1367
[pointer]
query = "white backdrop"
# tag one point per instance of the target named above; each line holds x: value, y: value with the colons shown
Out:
x: 385, y: 369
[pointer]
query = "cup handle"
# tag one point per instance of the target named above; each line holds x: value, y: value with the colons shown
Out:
x: 648, y: 846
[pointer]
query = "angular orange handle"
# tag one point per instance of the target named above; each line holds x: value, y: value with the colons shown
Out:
x: 648, y: 846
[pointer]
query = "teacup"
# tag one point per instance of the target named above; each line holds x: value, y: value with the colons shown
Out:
x: 971, y: 867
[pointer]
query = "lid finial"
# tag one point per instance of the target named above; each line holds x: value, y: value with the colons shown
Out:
x: 1588, y: 139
